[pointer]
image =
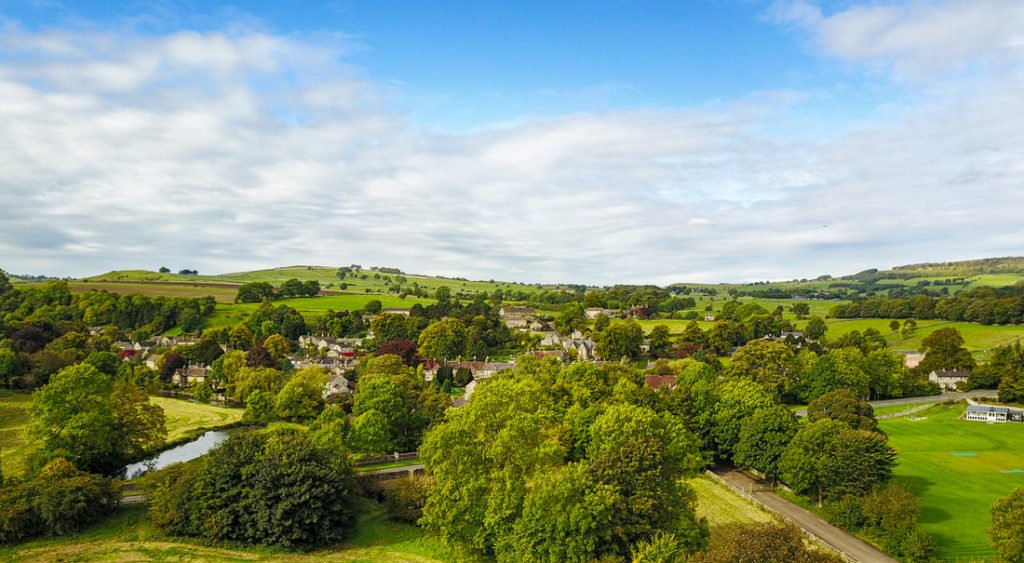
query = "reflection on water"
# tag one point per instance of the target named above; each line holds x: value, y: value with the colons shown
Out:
x: 184, y: 452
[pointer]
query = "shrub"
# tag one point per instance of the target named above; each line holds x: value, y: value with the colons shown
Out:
x: 60, y: 500
x: 404, y: 498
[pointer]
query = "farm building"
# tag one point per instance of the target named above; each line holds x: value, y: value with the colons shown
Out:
x: 987, y: 413
x: 948, y: 378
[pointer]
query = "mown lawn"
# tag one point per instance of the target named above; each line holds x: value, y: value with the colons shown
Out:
x: 129, y: 536
x: 958, y: 469
x: 184, y: 417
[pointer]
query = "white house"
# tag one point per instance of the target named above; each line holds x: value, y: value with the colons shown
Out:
x: 948, y: 378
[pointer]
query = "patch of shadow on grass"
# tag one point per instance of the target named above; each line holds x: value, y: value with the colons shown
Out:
x: 916, y: 483
x: 933, y: 515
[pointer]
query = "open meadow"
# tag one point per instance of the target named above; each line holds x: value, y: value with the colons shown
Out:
x: 15, y: 447
x: 957, y: 469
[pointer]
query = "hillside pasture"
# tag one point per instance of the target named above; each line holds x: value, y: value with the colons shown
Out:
x: 229, y: 315
x: 15, y: 447
x: 957, y: 469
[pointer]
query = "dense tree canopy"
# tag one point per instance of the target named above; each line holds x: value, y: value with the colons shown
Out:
x: 272, y: 487
x: 576, y: 438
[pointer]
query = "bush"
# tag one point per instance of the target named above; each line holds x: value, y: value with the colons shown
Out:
x: 847, y: 513
x: 271, y: 487
x: 60, y: 500
x: 404, y: 498
x: 768, y: 543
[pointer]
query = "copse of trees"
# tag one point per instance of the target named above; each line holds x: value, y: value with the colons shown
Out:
x: 277, y: 487
x: 255, y: 292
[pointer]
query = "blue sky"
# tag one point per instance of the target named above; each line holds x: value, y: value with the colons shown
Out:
x: 599, y: 142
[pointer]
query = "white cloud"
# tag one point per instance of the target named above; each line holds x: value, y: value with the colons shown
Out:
x: 916, y: 38
x: 227, y: 151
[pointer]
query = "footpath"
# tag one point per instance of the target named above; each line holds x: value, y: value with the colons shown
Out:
x: 850, y: 547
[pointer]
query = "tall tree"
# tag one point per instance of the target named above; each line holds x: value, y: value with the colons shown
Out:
x: 764, y: 435
x: 444, y: 339
x: 844, y: 406
x: 620, y: 340
x: 1007, y: 531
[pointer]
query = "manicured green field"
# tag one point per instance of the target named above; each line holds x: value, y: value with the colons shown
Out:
x: 184, y: 417
x: 956, y: 491
x: 129, y: 536
x: 14, y: 420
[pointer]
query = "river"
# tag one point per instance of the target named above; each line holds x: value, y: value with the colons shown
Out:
x: 185, y: 452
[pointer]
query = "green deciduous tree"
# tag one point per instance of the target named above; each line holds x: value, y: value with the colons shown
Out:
x: 302, y: 397
x: 660, y: 342
x: 620, y: 340
x: 444, y: 339
x: 1007, y: 531
x: 82, y: 416
x: 844, y: 406
x: 764, y: 435
x: 768, y: 363
x: 944, y: 349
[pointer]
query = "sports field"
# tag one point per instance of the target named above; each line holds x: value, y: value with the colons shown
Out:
x: 958, y: 469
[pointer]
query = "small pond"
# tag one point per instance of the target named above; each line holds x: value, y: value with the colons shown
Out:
x: 185, y: 452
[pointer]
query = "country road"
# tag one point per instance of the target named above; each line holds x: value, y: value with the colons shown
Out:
x: 856, y: 549
x: 926, y: 399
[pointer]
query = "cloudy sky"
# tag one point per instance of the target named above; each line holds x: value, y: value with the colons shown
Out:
x: 597, y: 141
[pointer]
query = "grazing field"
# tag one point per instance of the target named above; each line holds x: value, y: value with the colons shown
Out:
x: 231, y: 314
x: 327, y: 276
x: 222, y: 293
x: 129, y: 536
x: 185, y: 417
x: 15, y: 447
x: 958, y: 469
x: 977, y: 337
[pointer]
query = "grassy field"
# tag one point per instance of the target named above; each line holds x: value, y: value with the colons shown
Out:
x: 129, y: 536
x: 15, y: 447
x: 326, y: 275
x: 957, y: 469
x: 222, y: 293
x: 723, y: 508
x: 229, y: 315
x: 184, y: 417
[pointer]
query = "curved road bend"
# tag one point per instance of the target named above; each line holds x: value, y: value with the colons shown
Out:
x: 852, y: 547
